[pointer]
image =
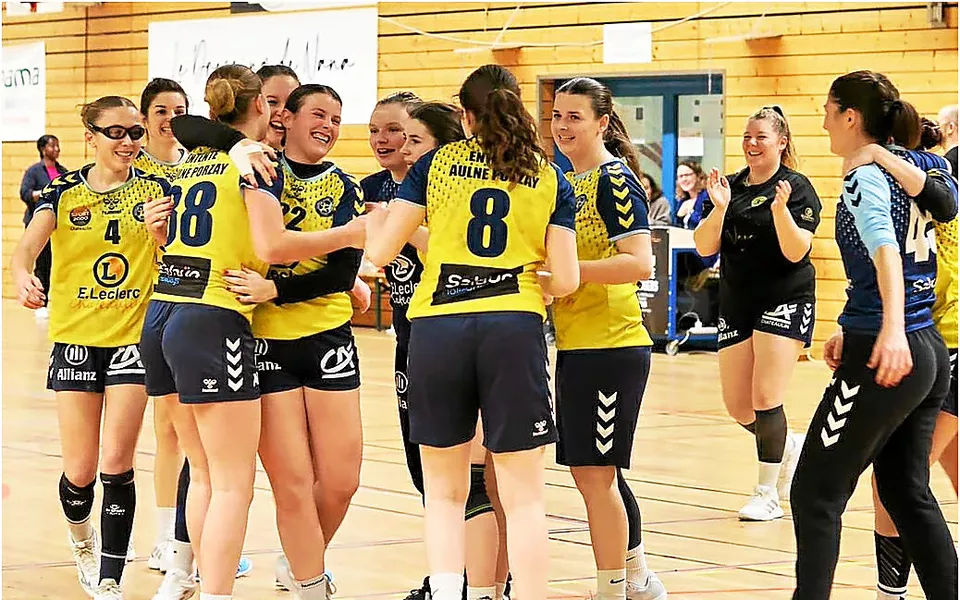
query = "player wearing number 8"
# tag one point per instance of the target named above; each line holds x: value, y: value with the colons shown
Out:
x: 497, y: 211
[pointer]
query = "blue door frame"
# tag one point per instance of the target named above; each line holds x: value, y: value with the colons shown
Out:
x: 669, y: 87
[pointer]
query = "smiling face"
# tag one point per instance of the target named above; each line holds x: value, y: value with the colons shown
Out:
x: 114, y: 155
x: 762, y: 144
x: 314, y: 128
x: 164, y: 107
x: 686, y: 179
x: 277, y: 89
x: 576, y: 129
x: 419, y: 142
x: 387, y: 125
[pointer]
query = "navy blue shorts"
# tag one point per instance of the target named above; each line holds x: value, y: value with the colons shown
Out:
x: 950, y: 404
x: 494, y: 363
x: 741, y: 316
x: 598, y: 402
x: 325, y: 361
x: 77, y: 368
x: 204, y: 353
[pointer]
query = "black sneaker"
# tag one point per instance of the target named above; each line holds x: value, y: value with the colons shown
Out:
x: 420, y: 594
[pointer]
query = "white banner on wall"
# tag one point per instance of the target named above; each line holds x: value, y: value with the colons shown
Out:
x: 333, y: 47
x: 24, y: 92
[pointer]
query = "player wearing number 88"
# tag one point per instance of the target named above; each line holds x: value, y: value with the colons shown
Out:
x: 102, y: 272
x: 497, y: 211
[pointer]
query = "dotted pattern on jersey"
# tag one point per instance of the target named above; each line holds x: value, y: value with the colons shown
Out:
x: 592, y: 239
x: 945, y: 307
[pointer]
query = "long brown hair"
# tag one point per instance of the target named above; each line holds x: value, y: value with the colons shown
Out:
x: 504, y: 129
x: 229, y: 92
x: 616, y: 138
x: 699, y: 174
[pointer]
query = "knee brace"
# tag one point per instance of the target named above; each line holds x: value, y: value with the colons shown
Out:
x: 478, y: 502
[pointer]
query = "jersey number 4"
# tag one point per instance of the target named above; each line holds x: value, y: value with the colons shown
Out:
x: 195, y: 223
x: 487, y: 231
x: 921, y: 240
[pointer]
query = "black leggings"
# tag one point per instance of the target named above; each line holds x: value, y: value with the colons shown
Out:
x: 411, y: 450
x: 858, y: 423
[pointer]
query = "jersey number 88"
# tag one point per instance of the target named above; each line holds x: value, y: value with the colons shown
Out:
x: 195, y: 224
x: 487, y: 231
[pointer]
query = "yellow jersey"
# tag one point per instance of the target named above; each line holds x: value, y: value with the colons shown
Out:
x: 487, y: 235
x: 945, y: 306
x: 209, y: 233
x: 103, y: 258
x: 318, y: 203
x: 149, y: 163
x: 611, y: 205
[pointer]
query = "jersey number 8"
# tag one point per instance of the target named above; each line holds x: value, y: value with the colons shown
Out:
x: 196, y: 223
x: 486, y: 231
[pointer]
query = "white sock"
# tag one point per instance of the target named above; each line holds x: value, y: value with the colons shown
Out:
x: 769, y: 473
x: 637, y: 566
x: 314, y: 588
x: 500, y: 588
x: 206, y: 596
x: 480, y: 593
x: 882, y: 595
x: 80, y: 531
x: 166, y: 519
x: 446, y: 586
x: 612, y: 584
x: 182, y: 556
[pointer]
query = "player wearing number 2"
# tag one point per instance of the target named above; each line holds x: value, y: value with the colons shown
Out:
x: 197, y: 340
x: 497, y: 211
x: 101, y: 278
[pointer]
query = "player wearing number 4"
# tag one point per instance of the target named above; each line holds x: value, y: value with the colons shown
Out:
x: 497, y: 211
x: 197, y: 340
x: 102, y: 273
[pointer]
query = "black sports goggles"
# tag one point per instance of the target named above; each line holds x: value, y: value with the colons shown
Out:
x: 118, y: 132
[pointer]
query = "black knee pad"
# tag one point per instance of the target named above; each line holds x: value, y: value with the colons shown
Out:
x: 77, y: 501
x: 478, y: 502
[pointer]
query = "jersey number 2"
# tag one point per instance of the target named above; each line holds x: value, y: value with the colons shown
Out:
x: 487, y: 231
x: 195, y: 224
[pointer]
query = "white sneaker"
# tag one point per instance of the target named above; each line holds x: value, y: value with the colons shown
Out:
x: 176, y: 585
x: 131, y: 553
x: 764, y: 506
x: 108, y: 590
x: 791, y: 456
x: 41, y: 314
x: 86, y: 554
x: 653, y: 590
x: 158, y: 557
x: 286, y: 582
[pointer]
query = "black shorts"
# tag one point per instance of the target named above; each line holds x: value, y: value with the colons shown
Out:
x: 325, y: 361
x: 204, y: 353
x: 76, y: 368
x: 494, y: 363
x: 740, y: 317
x: 598, y: 402
x: 950, y: 404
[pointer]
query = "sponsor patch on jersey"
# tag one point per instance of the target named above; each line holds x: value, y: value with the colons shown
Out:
x: 137, y: 212
x: 183, y: 276
x: 111, y: 269
x: 757, y: 201
x: 581, y: 201
x: 807, y: 215
x: 80, y: 216
x: 466, y: 282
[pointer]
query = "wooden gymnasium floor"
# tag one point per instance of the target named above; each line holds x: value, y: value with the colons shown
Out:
x: 691, y: 472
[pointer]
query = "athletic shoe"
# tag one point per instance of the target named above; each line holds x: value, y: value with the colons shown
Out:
x: 764, y: 506
x: 108, y: 590
x: 423, y: 593
x: 243, y: 567
x: 282, y: 574
x: 653, y: 590
x: 176, y: 585
x: 791, y: 456
x: 131, y: 553
x: 159, y: 557
x: 41, y: 314
x: 86, y: 554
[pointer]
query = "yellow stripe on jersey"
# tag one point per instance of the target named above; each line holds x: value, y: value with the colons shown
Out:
x: 611, y: 205
x: 209, y: 233
x: 149, y: 163
x: 945, y: 307
x: 103, y: 258
x: 328, y: 200
x: 487, y: 235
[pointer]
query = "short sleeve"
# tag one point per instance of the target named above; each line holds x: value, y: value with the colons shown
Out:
x: 49, y: 197
x: 804, y: 205
x: 622, y: 203
x: 565, y: 205
x: 414, y: 186
x: 275, y: 189
x: 866, y: 194
x: 351, y: 203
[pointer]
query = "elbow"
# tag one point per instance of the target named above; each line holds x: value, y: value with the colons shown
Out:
x: 797, y: 255
x: 271, y: 253
x: 564, y: 286
x: 644, y: 270
x: 378, y: 255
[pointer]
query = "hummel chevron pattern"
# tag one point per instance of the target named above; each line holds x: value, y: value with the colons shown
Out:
x: 852, y: 189
x: 618, y: 186
x: 605, y: 422
x: 806, y: 318
x: 234, y: 366
x: 830, y: 434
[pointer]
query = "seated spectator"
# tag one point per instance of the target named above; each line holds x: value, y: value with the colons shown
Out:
x: 691, y: 194
x: 659, y: 208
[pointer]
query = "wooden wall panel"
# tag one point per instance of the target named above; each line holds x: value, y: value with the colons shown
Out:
x: 102, y: 50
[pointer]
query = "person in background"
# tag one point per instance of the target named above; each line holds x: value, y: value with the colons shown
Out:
x: 659, y: 213
x: 34, y: 180
x: 691, y: 194
x: 947, y: 119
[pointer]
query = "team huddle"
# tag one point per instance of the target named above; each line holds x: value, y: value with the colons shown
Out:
x: 211, y: 268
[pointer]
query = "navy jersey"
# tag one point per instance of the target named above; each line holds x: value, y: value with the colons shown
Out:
x: 875, y: 211
x: 403, y: 274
